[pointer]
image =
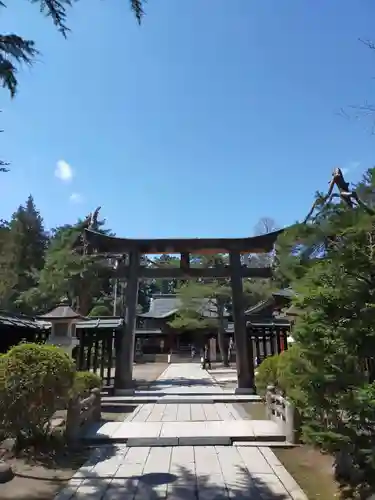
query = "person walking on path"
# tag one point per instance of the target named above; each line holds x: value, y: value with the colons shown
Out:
x: 193, y: 352
x: 206, y: 358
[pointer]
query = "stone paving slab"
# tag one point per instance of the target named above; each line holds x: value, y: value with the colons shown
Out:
x: 186, y: 471
x: 183, y: 398
x: 160, y: 391
x: 181, y: 380
x: 182, y: 473
x: 184, y: 412
x: 206, y: 432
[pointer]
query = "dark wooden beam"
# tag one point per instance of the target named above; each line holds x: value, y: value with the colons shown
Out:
x: 254, y: 244
x: 185, y: 261
x: 177, y: 273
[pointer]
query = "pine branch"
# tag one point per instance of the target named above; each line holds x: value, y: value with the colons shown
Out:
x: 14, y: 49
x: 137, y: 8
x: 56, y: 10
x: 3, y: 166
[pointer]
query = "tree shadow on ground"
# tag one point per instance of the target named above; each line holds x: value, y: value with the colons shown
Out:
x: 181, y: 483
x: 180, y: 381
x: 51, y: 453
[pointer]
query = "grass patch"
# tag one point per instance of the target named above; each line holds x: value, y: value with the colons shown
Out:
x: 257, y: 411
x: 116, y: 412
x: 311, y: 469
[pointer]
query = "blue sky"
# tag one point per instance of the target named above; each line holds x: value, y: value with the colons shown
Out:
x: 209, y: 116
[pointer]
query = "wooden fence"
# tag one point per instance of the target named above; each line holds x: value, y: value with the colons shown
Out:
x: 281, y: 410
x: 268, y: 340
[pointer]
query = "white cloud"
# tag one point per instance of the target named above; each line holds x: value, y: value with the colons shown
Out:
x: 76, y: 198
x: 63, y: 171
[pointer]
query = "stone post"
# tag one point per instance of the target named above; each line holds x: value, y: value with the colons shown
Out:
x: 269, y: 395
x: 97, y: 405
x: 290, y: 421
x: 245, y: 366
x: 73, y: 419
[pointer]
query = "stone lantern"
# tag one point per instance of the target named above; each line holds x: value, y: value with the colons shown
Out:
x: 63, y: 321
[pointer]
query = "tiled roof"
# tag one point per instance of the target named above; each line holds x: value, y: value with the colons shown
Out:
x: 163, y: 306
x: 288, y: 293
x: 259, y: 307
x: 110, y: 323
x: 270, y: 323
x: 15, y: 321
x: 62, y: 311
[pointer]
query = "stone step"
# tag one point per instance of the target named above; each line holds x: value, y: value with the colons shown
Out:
x: 209, y: 433
x: 185, y: 391
x: 163, y: 398
x: 268, y: 444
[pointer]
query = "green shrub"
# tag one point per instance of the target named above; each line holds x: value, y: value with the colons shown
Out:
x: 35, y: 380
x: 293, y: 374
x: 84, y: 382
x: 100, y: 310
x: 2, y: 397
x: 266, y: 373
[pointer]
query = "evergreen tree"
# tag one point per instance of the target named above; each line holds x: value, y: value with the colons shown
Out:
x: 335, y: 333
x: 219, y: 292
x: 23, y: 252
x: 83, y: 279
x: 8, y: 279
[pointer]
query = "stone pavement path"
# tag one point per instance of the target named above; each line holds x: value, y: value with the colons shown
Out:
x: 238, y: 472
x: 185, y: 379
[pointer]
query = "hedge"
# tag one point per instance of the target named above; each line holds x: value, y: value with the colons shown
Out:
x: 34, y: 381
x: 84, y: 382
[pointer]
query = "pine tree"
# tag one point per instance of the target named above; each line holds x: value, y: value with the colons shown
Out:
x: 218, y: 293
x: 82, y: 279
x: 203, y: 305
x: 335, y: 332
x: 24, y: 246
x: 8, y: 279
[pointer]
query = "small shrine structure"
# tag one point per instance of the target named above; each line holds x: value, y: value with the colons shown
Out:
x: 63, y: 321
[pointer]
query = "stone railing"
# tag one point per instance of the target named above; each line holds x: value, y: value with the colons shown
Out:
x: 82, y: 412
x: 281, y: 410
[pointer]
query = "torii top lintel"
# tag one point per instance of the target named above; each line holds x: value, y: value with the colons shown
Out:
x: 254, y: 244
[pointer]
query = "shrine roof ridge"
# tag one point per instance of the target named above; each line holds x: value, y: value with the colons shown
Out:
x: 251, y: 244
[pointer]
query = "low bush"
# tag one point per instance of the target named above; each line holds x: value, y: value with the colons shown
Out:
x: 34, y: 381
x: 84, y: 382
x: 266, y: 373
x: 292, y: 374
x: 288, y: 371
x: 2, y: 397
x: 100, y: 310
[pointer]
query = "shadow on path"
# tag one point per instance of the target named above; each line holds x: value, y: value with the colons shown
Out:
x: 180, y: 484
x: 180, y: 382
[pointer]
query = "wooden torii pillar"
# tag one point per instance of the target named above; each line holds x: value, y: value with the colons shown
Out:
x: 124, y: 364
x: 244, y: 346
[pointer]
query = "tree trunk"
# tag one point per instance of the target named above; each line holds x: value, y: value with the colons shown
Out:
x: 223, y: 344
